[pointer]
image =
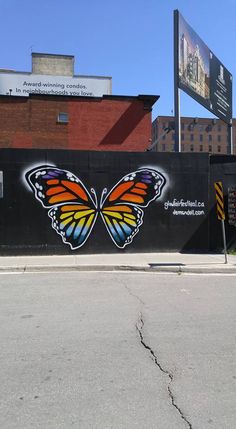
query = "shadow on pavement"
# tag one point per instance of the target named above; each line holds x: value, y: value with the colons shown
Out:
x: 166, y: 265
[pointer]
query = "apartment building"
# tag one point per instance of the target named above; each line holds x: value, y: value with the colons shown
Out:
x: 197, y: 135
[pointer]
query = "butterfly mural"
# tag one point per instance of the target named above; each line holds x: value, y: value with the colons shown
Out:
x: 73, y: 209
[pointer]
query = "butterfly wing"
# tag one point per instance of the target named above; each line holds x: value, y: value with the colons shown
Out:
x: 71, y: 208
x: 137, y: 188
x: 121, y: 210
x: 73, y: 222
x: 122, y: 222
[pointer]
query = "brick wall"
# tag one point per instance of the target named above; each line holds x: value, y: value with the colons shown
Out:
x: 197, y: 135
x: 110, y: 123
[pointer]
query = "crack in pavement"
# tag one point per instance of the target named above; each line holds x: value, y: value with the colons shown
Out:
x: 133, y: 295
x: 139, y: 327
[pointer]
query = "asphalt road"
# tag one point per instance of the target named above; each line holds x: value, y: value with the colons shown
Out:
x: 117, y: 350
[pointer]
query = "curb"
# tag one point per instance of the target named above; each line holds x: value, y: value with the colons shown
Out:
x: 179, y: 269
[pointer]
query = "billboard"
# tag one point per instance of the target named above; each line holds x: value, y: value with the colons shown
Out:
x: 23, y: 84
x: 200, y: 73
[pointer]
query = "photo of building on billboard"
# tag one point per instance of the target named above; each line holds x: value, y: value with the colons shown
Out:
x: 200, y: 73
x: 194, y: 61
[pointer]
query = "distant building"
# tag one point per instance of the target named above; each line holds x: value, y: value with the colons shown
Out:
x: 197, y: 135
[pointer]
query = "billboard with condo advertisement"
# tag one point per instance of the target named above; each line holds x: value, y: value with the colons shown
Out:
x: 23, y: 84
x: 200, y: 73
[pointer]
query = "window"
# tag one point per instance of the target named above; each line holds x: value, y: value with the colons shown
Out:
x: 218, y: 148
x: 191, y: 147
x: 209, y: 137
x: 182, y: 136
x: 210, y: 148
x: 182, y: 126
x: 163, y: 147
x: 201, y: 148
x: 163, y: 125
x: 219, y: 138
x: 219, y: 127
x: 63, y: 118
x: 201, y: 127
x: 191, y: 137
x: 201, y: 137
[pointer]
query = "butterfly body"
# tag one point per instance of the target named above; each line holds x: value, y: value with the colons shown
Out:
x: 74, y: 210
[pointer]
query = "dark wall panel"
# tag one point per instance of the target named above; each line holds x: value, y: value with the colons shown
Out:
x: 177, y: 220
x: 222, y: 168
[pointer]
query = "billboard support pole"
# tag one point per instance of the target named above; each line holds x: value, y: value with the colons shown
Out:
x: 230, y: 139
x: 176, y: 86
x: 224, y: 240
x: 177, y: 121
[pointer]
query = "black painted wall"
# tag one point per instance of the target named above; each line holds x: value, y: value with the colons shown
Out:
x: 222, y: 168
x: 189, y: 225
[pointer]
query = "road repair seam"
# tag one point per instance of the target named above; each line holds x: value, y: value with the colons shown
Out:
x: 139, y: 327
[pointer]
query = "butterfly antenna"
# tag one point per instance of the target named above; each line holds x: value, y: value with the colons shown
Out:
x: 95, y: 200
x: 104, y: 192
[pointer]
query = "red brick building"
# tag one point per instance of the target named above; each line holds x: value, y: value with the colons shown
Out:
x: 52, y: 107
x: 109, y: 123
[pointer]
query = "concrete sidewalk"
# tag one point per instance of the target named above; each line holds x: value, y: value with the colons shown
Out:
x: 151, y: 262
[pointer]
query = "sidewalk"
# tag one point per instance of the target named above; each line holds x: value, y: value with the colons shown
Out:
x: 151, y: 262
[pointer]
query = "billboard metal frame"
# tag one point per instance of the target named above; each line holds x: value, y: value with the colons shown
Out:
x: 176, y: 84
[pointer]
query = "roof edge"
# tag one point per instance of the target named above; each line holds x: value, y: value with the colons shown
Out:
x: 150, y: 99
x: 51, y: 55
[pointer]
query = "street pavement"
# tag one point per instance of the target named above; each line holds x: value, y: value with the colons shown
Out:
x: 117, y: 350
x: 158, y: 262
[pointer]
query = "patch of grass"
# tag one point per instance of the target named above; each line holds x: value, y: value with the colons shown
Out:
x: 232, y: 252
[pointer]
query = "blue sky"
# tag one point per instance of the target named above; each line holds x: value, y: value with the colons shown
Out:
x: 130, y: 40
